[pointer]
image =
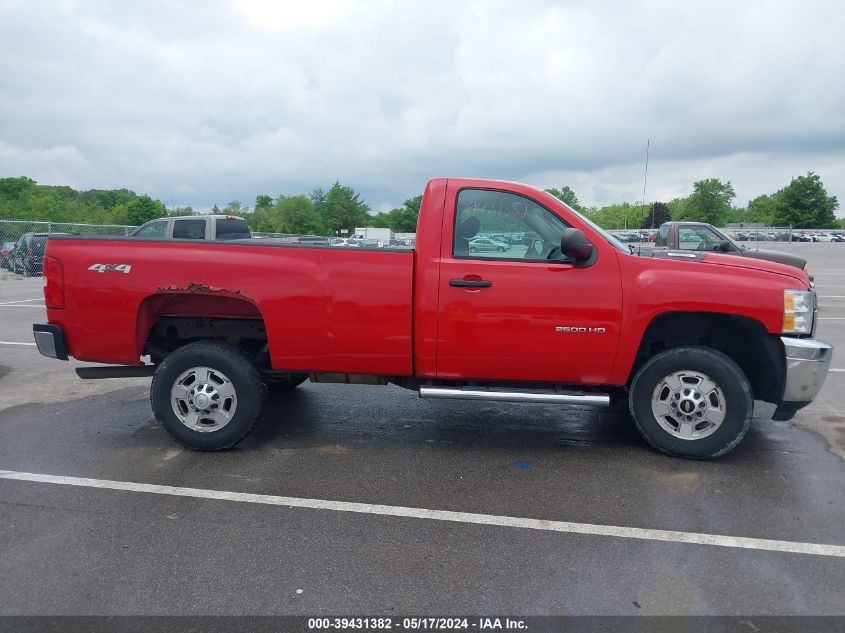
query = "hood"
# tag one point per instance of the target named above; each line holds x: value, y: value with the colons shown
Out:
x: 735, y: 260
x: 776, y: 256
x: 748, y: 261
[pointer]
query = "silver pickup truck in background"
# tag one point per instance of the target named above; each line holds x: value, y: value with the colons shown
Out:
x: 195, y: 227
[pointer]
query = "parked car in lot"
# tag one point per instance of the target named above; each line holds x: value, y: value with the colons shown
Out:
x: 195, y: 227
x: 5, y: 252
x: 487, y: 245
x: 25, y: 257
x: 689, y: 338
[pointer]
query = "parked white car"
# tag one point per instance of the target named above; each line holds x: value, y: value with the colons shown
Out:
x: 487, y: 244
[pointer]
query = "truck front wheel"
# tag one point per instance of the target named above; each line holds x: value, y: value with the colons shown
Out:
x: 691, y: 402
x: 208, y: 395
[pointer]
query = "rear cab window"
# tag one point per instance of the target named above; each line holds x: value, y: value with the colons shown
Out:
x: 38, y: 242
x: 189, y: 229
x: 232, y: 229
x: 662, y: 235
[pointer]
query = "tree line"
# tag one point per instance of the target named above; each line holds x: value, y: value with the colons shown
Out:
x: 803, y: 203
x: 339, y: 210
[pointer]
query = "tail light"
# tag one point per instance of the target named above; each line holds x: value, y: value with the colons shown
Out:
x: 54, y: 288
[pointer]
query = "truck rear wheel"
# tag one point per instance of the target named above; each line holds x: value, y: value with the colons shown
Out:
x: 208, y: 395
x: 691, y: 402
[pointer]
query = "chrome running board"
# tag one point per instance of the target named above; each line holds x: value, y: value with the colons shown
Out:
x: 503, y: 394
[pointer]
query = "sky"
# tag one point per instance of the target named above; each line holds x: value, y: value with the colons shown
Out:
x: 202, y: 102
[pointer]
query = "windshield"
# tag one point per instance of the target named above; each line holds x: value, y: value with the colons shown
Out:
x: 607, y: 236
x: 728, y: 238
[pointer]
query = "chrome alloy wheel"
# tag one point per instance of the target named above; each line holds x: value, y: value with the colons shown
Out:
x: 203, y: 399
x: 688, y: 405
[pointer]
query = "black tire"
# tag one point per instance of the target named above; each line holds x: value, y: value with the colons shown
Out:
x: 501, y: 249
x: 285, y: 385
x: 236, y: 365
x: 472, y: 249
x: 723, y: 371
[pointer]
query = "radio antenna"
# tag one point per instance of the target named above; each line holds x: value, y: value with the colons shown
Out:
x: 642, y: 202
x: 645, y: 176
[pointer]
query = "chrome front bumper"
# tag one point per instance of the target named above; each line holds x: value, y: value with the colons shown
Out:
x: 807, y: 362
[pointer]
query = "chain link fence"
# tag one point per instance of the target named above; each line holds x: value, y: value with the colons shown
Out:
x: 22, y: 243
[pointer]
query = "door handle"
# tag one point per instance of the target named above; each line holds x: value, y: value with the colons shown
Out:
x: 470, y: 283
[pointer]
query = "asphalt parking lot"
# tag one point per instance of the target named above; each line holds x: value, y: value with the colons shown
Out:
x: 565, y: 510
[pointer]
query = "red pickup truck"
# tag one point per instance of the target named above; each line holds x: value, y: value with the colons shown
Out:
x: 566, y: 314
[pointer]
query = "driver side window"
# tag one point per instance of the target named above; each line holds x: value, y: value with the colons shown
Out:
x: 688, y: 240
x: 701, y: 238
x: 500, y: 225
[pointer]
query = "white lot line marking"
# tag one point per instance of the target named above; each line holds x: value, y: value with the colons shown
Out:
x: 839, y: 371
x: 23, y: 301
x: 14, y: 343
x: 6, y: 305
x: 646, y: 534
x: 831, y: 318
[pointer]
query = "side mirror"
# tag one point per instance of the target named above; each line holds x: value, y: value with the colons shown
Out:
x: 574, y: 244
x: 725, y: 246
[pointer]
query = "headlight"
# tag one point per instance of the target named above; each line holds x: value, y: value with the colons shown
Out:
x: 798, y: 307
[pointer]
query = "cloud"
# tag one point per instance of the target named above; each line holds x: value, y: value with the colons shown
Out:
x: 207, y: 101
x: 59, y: 164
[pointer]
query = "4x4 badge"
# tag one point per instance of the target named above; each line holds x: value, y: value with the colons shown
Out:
x: 119, y: 268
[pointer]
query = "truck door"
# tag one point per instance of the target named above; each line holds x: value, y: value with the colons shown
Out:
x: 509, y: 307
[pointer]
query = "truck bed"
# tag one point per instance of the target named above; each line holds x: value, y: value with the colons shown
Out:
x: 325, y: 309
